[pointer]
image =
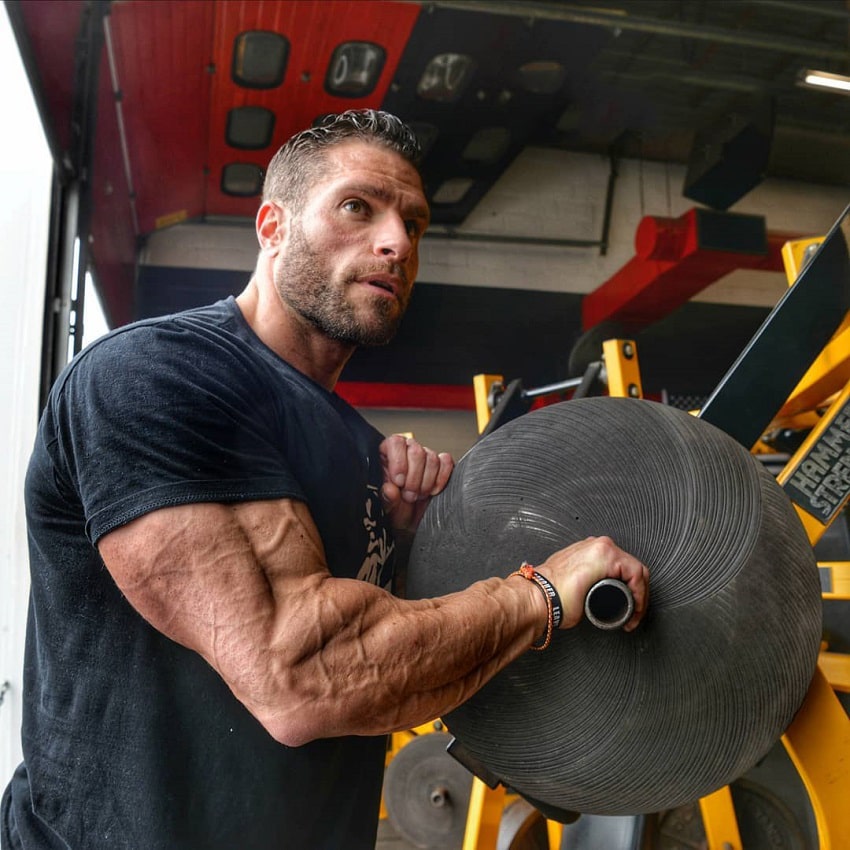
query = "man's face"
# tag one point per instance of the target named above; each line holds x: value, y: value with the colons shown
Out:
x: 350, y: 257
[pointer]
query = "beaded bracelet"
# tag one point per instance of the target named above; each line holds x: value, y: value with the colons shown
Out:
x: 553, y: 602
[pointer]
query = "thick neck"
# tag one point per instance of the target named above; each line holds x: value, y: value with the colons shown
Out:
x: 291, y: 336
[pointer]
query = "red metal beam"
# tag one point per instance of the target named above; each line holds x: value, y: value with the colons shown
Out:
x: 424, y: 396
x: 675, y: 259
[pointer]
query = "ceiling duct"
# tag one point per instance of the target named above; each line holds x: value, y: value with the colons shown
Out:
x: 729, y: 160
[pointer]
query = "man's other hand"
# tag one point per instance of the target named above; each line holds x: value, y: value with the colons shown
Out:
x: 412, y: 475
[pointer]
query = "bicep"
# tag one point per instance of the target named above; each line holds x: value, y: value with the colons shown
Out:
x: 212, y: 576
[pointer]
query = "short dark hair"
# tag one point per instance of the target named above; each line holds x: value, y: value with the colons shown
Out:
x: 297, y: 164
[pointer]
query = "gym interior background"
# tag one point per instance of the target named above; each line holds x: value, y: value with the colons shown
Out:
x: 556, y: 136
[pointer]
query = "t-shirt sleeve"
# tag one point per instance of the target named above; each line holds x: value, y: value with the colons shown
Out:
x: 158, y: 417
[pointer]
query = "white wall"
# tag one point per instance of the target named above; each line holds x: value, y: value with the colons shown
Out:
x: 25, y: 174
x: 561, y: 195
x: 558, y: 195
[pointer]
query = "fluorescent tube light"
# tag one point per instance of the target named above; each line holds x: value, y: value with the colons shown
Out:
x: 825, y: 80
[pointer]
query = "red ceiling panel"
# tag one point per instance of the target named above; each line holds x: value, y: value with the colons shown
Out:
x: 168, y: 55
x: 162, y: 57
x: 52, y: 29
x: 314, y: 28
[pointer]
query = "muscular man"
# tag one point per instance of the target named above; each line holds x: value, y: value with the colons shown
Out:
x: 214, y: 651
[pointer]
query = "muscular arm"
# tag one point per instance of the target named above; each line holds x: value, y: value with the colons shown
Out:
x: 246, y: 586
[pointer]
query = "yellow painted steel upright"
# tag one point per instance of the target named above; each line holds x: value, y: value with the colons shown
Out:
x: 818, y: 740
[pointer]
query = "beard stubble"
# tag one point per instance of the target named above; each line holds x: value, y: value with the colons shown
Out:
x: 305, y: 283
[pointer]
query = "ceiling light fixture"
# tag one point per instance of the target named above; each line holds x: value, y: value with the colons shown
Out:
x: 242, y: 179
x: 446, y: 77
x: 488, y: 145
x: 824, y: 80
x: 453, y: 190
x: 542, y: 76
x: 259, y: 59
x: 354, y: 69
x: 249, y: 127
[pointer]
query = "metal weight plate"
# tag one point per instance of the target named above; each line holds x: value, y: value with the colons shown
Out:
x: 607, y: 722
x: 426, y: 793
x: 764, y: 823
x: 522, y: 827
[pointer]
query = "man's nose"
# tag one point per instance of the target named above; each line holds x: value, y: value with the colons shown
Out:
x: 393, y: 238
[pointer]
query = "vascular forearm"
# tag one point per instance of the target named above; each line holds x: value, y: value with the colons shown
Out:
x: 369, y: 663
x: 310, y: 655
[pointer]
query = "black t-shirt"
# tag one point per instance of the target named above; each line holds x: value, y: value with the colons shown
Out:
x: 130, y: 740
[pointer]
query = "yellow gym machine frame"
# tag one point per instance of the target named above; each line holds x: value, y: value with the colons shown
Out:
x: 818, y: 739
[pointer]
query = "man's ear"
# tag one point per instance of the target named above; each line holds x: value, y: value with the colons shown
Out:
x: 272, y: 225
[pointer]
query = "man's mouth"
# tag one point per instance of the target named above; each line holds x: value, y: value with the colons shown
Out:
x: 383, y: 285
x: 393, y: 284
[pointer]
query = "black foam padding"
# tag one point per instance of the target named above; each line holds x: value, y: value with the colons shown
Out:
x: 610, y: 722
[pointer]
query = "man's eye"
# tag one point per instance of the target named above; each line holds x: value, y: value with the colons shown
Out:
x: 354, y: 206
x: 412, y: 228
